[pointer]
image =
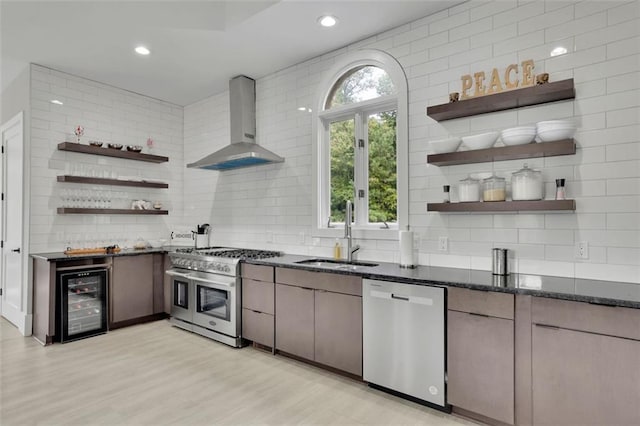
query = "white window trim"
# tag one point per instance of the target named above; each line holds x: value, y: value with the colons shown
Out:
x: 344, y: 64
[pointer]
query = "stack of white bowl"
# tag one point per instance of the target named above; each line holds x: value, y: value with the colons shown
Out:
x: 555, y: 130
x: 481, y: 141
x: 518, y: 135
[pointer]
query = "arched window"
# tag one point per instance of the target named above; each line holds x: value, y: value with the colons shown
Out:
x: 361, y: 143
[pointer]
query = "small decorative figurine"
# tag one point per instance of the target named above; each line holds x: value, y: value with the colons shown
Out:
x: 542, y: 78
x: 453, y: 97
x: 149, y: 143
x: 79, y: 131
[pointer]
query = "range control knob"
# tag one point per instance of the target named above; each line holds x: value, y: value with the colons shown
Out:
x: 227, y: 269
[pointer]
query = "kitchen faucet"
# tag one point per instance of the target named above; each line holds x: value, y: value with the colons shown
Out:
x: 351, y: 249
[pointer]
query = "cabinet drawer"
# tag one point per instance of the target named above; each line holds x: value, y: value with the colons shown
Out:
x: 346, y: 284
x: 498, y: 305
x: 609, y: 320
x: 257, y: 272
x: 257, y: 327
x: 480, y: 363
x: 257, y: 295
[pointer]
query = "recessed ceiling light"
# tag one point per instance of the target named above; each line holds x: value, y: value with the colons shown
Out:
x: 141, y: 50
x: 327, y: 20
x: 558, y: 51
x: 302, y: 108
x: 57, y: 102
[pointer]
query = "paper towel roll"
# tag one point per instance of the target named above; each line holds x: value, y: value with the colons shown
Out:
x: 406, y: 249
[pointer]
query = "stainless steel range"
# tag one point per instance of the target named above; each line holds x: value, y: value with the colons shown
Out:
x: 205, y: 290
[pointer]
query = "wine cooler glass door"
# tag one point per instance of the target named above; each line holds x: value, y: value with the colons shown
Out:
x: 83, y: 304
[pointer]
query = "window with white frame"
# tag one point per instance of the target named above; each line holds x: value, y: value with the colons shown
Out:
x: 362, y: 143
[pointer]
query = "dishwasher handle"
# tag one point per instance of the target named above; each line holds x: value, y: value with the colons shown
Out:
x: 418, y: 300
x: 393, y: 296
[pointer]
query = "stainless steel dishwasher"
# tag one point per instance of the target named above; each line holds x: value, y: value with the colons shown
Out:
x: 404, y: 339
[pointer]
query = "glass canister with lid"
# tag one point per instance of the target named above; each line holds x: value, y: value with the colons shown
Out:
x: 469, y: 190
x: 527, y: 184
x: 494, y: 188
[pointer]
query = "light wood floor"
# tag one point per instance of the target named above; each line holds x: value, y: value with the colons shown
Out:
x: 157, y: 374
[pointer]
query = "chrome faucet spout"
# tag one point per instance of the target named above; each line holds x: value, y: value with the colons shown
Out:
x: 351, y: 249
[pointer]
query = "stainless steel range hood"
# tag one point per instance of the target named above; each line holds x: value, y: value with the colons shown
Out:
x: 243, y: 151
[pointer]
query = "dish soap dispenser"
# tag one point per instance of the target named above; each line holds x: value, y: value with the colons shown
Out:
x: 337, y: 250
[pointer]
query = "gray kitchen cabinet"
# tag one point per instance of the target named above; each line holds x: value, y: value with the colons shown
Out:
x: 480, y: 353
x: 132, y: 288
x: 319, y: 317
x: 580, y: 363
x: 338, y: 331
x: 258, y: 306
x: 295, y: 320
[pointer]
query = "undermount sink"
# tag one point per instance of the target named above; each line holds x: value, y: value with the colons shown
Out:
x: 336, y: 264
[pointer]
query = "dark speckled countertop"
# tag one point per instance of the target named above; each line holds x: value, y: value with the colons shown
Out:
x: 60, y: 256
x: 582, y: 290
x: 611, y: 293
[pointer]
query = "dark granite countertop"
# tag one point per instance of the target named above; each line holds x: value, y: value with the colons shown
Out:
x: 60, y: 256
x: 610, y: 293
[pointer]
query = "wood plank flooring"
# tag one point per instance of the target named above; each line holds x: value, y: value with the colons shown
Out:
x: 157, y: 374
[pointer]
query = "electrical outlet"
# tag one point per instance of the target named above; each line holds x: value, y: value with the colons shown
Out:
x: 443, y: 243
x: 582, y: 250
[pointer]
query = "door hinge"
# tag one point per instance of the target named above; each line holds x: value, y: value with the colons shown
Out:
x: 1, y: 244
x: 360, y: 143
x: 2, y: 149
x: 2, y: 199
x: 0, y: 292
x: 360, y: 193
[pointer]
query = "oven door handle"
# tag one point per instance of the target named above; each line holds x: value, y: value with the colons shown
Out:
x: 177, y: 274
x: 230, y: 283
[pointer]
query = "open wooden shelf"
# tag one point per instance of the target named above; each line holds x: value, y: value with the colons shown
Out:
x: 530, y: 150
x: 74, y: 210
x: 115, y: 182
x: 503, y: 206
x: 109, y: 152
x: 533, y: 95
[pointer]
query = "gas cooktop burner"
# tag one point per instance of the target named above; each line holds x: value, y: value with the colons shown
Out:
x: 229, y: 252
x: 245, y: 253
x: 193, y: 250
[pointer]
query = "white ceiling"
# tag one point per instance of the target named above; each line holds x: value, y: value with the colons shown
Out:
x: 196, y: 46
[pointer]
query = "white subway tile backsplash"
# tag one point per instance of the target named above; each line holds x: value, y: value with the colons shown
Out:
x: 608, y: 272
x: 625, y: 12
x: 537, y: 236
x: 623, y: 221
x: 435, y: 52
x: 563, y: 269
x: 623, y: 256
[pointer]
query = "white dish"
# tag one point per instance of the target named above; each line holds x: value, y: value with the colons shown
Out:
x: 555, y: 124
x: 556, y: 134
x: 481, y: 141
x: 442, y: 146
x: 518, y: 135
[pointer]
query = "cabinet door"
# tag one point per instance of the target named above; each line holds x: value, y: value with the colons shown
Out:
x: 257, y: 327
x: 338, y: 331
x: 294, y: 320
x: 583, y: 378
x: 131, y: 287
x: 480, y: 362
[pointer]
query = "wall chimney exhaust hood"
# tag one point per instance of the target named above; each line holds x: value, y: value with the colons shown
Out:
x: 243, y: 151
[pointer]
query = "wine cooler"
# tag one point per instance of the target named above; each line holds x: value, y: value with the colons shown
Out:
x: 81, y: 304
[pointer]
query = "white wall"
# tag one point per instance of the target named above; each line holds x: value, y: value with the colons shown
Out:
x: 111, y: 115
x: 273, y: 203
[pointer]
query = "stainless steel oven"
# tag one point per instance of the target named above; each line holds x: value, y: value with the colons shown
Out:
x: 205, y: 291
x: 181, y: 304
x: 215, y: 302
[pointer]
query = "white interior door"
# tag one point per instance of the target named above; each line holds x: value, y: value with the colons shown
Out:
x: 14, y: 295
